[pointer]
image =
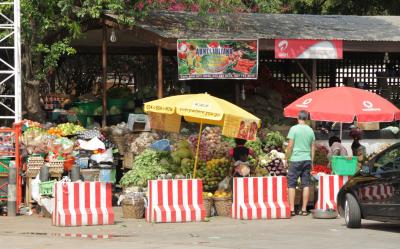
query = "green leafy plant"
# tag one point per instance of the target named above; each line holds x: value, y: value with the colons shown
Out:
x: 146, y: 167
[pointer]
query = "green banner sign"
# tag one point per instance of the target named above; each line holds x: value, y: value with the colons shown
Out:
x: 217, y: 59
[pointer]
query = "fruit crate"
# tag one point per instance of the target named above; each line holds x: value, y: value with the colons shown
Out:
x: 47, y: 188
x: 33, y: 166
x: 344, y: 166
x: 56, y: 167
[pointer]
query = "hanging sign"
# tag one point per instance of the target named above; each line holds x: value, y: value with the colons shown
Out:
x: 217, y: 59
x: 240, y: 128
x: 308, y: 49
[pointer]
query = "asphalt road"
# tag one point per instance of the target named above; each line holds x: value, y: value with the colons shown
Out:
x: 299, y: 232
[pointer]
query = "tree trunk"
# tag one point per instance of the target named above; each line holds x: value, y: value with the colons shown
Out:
x: 30, y: 88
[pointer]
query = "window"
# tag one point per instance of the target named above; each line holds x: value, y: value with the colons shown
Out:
x: 388, y: 162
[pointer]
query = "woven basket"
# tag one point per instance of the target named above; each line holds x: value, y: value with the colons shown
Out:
x: 34, y: 165
x: 119, y: 141
x: 56, y: 167
x: 133, y: 210
x: 128, y: 160
x: 208, y: 202
x: 223, y: 206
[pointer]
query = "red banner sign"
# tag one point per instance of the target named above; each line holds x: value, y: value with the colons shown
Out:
x: 308, y: 49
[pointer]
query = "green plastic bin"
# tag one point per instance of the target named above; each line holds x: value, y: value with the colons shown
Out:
x: 46, y: 188
x: 88, y: 107
x: 120, y: 103
x: 4, y: 161
x: 82, y: 119
x: 343, y: 166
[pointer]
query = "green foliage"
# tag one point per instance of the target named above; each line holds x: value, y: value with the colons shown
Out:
x: 256, y: 146
x: 49, y: 26
x: 274, y: 139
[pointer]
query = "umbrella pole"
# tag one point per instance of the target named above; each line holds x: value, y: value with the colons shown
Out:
x: 341, y: 130
x: 196, y: 159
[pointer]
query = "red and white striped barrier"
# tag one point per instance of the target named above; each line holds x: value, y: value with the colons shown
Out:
x: 377, y: 192
x: 260, y: 198
x: 329, y: 186
x: 175, y: 201
x: 83, y: 203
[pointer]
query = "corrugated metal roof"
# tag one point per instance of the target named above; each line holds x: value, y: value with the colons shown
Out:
x: 271, y: 26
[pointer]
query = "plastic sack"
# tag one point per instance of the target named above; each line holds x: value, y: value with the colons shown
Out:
x: 92, y: 144
x: 103, y: 157
x: 225, y: 185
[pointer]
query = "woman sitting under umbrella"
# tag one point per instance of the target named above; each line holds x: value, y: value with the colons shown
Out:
x: 240, y: 155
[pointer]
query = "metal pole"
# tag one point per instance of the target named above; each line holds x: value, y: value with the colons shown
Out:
x: 196, y: 159
x: 104, y: 68
x: 17, y: 61
x: 159, y: 72
x: 12, y: 190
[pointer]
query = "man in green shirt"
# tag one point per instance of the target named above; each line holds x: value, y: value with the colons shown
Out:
x: 301, y: 149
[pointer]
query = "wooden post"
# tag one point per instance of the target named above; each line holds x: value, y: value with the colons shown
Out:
x: 159, y: 72
x: 104, y: 78
x: 314, y: 85
x: 314, y: 75
x: 332, y: 73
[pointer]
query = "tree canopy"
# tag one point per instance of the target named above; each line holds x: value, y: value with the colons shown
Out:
x: 49, y: 26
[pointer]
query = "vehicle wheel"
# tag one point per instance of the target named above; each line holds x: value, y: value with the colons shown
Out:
x: 352, y: 212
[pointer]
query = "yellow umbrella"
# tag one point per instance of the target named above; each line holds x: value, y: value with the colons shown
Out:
x: 204, y: 108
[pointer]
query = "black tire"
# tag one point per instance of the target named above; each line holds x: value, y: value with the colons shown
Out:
x: 352, y: 212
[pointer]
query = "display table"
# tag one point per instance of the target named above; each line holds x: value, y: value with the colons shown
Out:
x: 175, y: 201
x: 260, y: 198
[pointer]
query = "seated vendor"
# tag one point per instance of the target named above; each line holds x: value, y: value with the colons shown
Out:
x: 240, y: 155
x: 335, y: 148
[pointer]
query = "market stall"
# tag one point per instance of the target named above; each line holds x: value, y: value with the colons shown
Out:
x: 355, y: 105
x: 61, y: 155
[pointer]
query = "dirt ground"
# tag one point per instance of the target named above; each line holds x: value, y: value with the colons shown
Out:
x: 34, y: 232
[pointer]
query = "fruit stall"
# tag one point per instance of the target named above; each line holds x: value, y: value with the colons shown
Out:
x: 62, y: 153
x: 69, y: 152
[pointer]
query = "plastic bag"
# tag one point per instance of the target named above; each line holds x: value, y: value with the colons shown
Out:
x: 225, y: 185
x: 104, y: 157
x: 93, y: 144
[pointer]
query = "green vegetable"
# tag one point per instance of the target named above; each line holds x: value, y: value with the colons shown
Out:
x: 183, y: 153
x: 147, y: 166
x: 274, y: 139
x: 256, y: 146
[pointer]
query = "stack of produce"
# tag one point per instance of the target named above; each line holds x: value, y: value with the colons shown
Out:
x: 256, y: 146
x: 143, y: 142
x: 273, y: 141
x: 211, y: 144
x: 69, y: 129
x: 181, y: 158
x: 318, y: 169
x: 35, y: 140
x: 147, y: 166
x: 321, y: 155
x: 213, y: 172
x: 274, y: 162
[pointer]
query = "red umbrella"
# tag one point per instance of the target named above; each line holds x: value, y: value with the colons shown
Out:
x: 344, y: 104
